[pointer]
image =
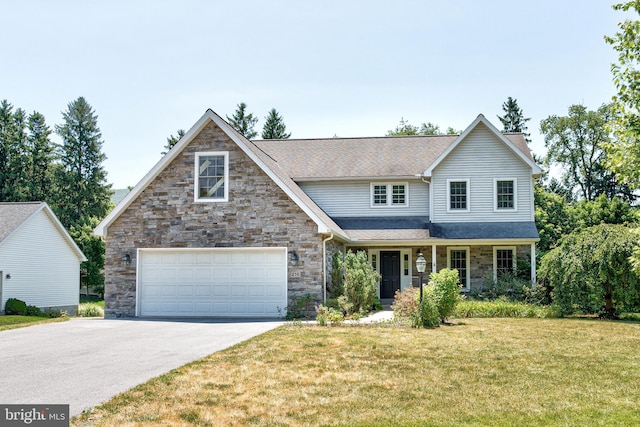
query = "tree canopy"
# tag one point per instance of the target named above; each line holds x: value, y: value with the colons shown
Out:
x: 591, y: 272
x: 274, y: 127
x: 404, y: 128
x: 513, y: 119
x: 576, y: 142
x: 624, y: 152
x: 173, y: 140
x: 243, y: 122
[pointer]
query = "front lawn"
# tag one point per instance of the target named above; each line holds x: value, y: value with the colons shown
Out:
x: 478, y: 372
x: 13, y: 322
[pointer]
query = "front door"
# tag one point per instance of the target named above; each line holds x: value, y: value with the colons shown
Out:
x: 390, y: 272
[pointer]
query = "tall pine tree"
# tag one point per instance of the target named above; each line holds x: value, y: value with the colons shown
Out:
x: 82, y: 178
x: 243, y: 122
x: 513, y: 119
x: 41, y: 153
x: 173, y: 140
x: 274, y: 127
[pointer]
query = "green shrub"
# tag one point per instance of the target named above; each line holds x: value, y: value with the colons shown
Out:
x: 377, y: 305
x: 427, y: 316
x: 503, y: 308
x: 360, y: 282
x: 90, y: 309
x: 326, y: 315
x: 53, y: 313
x: 507, y: 286
x: 299, y: 307
x: 337, y: 274
x: 444, y: 291
x: 32, y: 310
x: 14, y: 306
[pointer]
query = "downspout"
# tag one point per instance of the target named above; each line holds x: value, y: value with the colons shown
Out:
x: 324, y: 268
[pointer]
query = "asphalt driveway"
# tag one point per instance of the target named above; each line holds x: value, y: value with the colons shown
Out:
x: 84, y: 362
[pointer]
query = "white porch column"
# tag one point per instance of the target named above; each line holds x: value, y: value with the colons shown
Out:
x: 433, y: 258
x: 533, y: 264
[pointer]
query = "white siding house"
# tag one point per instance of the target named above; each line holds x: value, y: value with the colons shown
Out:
x: 39, y: 261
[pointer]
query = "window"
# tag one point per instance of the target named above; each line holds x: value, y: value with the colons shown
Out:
x: 504, y: 261
x: 212, y: 176
x: 458, y: 258
x: 406, y: 264
x: 389, y: 194
x: 458, y: 195
x: 505, y: 191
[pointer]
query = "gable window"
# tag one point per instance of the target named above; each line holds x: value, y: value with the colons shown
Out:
x: 458, y: 258
x: 458, y: 195
x: 504, y: 261
x: 389, y: 194
x: 505, y: 194
x: 212, y: 177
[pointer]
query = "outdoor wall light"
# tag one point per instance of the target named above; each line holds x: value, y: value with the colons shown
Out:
x: 293, y: 258
x: 8, y: 276
x: 126, y: 260
x: 421, y: 266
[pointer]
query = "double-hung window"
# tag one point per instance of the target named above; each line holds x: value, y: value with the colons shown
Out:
x: 458, y: 258
x: 212, y: 177
x: 505, y: 194
x: 504, y: 261
x: 389, y: 194
x: 457, y: 195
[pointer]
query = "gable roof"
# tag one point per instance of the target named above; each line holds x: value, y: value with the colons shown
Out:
x: 14, y: 215
x: 376, y: 157
x: 516, y: 144
x: 263, y: 160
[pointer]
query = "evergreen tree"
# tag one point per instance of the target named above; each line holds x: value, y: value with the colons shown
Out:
x: 41, y: 153
x: 513, y: 119
x: 84, y: 192
x: 274, y: 127
x: 7, y: 135
x: 243, y: 122
x: 173, y: 140
x: 14, y: 158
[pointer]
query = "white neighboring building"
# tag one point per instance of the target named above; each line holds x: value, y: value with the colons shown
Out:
x: 39, y: 261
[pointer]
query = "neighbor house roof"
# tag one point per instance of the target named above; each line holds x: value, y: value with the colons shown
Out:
x: 13, y: 215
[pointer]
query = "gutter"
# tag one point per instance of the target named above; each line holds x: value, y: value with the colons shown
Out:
x: 324, y: 268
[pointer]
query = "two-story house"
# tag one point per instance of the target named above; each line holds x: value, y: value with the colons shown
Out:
x: 224, y: 226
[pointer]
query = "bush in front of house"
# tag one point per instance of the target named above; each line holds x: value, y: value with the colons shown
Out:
x: 439, y: 300
x: 15, y: 307
x: 358, y: 280
x: 89, y: 309
x: 502, y: 307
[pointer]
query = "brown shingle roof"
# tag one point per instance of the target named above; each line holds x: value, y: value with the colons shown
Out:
x: 399, y: 156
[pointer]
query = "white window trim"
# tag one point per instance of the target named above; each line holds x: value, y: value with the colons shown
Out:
x: 468, y: 209
x: 197, y: 177
x: 515, y: 195
x: 495, y: 259
x: 389, y: 203
x: 468, y: 275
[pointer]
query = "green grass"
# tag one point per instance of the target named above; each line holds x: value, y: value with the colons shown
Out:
x: 92, y: 299
x: 14, y: 322
x: 476, y: 372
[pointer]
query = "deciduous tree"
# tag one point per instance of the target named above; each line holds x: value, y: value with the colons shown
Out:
x: 624, y: 151
x: 591, y: 272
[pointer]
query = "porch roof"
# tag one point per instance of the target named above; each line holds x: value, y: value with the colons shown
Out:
x: 484, y: 230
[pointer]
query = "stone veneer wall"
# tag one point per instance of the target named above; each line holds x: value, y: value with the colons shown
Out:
x: 258, y: 214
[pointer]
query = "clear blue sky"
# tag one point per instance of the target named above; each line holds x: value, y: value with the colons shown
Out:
x: 346, y: 68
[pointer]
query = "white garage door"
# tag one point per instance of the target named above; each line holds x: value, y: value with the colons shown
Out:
x: 242, y: 282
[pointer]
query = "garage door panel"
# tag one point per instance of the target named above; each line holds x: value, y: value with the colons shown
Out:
x: 215, y: 282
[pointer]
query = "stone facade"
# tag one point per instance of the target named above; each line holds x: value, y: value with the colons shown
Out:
x: 164, y: 215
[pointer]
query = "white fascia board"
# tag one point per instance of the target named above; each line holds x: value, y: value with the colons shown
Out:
x: 56, y: 222
x: 101, y: 229
x: 322, y: 227
x: 535, y: 169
